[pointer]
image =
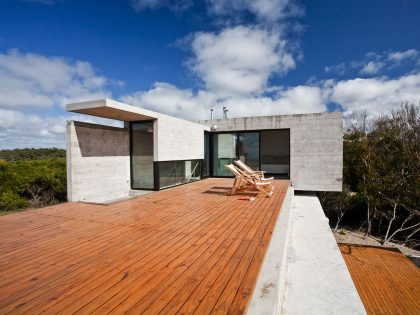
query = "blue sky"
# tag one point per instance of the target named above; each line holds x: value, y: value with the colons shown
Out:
x: 258, y: 57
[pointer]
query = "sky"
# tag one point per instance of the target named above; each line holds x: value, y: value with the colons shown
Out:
x: 256, y: 57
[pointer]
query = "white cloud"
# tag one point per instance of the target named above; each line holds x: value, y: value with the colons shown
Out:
x: 270, y: 11
x: 372, y: 67
x: 403, y: 55
x: 168, y: 99
x: 174, y: 5
x: 264, y: 10
x: 239, y: 60
x: 33, y: 80
x: 376, y: 95
x: 293, y: 100
x: 20, y: 130
x: 375, y: 63
x: 184, y: 103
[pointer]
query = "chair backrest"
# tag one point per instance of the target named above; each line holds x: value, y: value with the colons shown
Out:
x: 239, y: 173
x: 233, y: 170
x: 245, y: 167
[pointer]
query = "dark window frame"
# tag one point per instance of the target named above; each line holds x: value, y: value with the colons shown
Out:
x: 130, y: 136
x: 209, y: 143
x: 237, y: 148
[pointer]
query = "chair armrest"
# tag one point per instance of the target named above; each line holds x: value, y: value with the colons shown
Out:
x: 263, y: 184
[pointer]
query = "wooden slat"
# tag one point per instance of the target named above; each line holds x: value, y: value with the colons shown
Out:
x: 387, y: 281
x: 187, y: 249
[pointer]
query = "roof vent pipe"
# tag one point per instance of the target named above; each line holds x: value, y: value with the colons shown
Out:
x: 211, y: 114
x: 225, y: 112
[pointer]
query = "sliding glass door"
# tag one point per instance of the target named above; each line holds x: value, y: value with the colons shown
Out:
x: 142, y: 155
x: 249, y: 149
x: 228, y: 147
x: 275, y: 152
x: 266, y: 150
x: 224, y: 152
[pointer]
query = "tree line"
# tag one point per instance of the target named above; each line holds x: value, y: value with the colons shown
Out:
x: 381, y: 175
x: 31, y: 154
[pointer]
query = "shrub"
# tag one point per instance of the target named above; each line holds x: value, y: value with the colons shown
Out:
x: 34, y: 183
x: 10, y: 201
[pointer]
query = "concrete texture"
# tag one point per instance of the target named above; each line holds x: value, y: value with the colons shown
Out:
x: 174, y: 138
x: 316, y: 279
x: 316, y: 146
x: 98, y: 162
x: 177, y: 139
x: 98, y: 157
x: 266, y: 296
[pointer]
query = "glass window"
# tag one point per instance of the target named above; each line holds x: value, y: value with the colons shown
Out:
x: 142, y: 155
x: 172, y: 173
x: 224, y: 152
x: 275, y: 152
x: 249, y: 149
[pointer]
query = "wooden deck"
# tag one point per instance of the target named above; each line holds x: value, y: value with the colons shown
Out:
x: 189, y: 249
x: 387, y: 281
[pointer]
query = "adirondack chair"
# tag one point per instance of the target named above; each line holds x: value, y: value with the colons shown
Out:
x: 242, y: 180
x: 251, y: 172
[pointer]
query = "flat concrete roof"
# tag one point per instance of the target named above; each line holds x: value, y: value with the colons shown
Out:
x: 112, y: 109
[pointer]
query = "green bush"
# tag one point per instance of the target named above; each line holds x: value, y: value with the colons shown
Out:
x: 33, y: 183
x: 10, y: 201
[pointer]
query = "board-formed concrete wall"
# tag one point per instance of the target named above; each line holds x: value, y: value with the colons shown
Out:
x: 177, y: 139
x: 98, y: 162
x: 316, y: 146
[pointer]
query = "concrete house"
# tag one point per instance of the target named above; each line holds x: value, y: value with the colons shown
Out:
x: 194, y: 248
x: 154, y: 151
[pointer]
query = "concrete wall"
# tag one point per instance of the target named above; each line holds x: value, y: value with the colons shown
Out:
x: 98, y: 162
x: 177, y: 139
x: 316, y: 146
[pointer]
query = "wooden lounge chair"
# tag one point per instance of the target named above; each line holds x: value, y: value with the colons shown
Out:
x: 251, y: 172
x: 242, y: 180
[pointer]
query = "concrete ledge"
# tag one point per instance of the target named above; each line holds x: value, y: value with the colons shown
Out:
x: 265, y: 297
x: 316, y: 279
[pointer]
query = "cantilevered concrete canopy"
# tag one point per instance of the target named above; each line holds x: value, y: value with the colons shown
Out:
x: 112, y: 109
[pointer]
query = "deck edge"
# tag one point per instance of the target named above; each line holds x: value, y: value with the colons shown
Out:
x: 266, y: 295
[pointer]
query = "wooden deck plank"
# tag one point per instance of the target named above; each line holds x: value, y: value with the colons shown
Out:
x: 387, y: 281
x: 158, y: 268
x: 181, y: 247
x: 70, y: 278
x: 156, y: 301
x: 186, y: 259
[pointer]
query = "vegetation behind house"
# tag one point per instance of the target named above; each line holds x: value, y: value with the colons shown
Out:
x: 31, y: 154
x: 381, y: 192
x: 31, y: 178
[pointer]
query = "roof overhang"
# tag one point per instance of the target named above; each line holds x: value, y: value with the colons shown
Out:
x: 112, y: 109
